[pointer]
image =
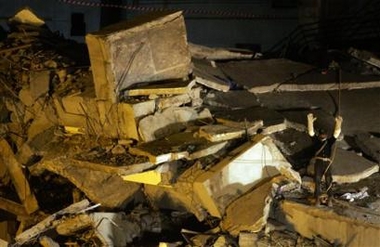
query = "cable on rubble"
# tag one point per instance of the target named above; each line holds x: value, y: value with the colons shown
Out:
x: 220, y: 13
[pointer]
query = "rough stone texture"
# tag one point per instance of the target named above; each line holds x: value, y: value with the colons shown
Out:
x: 150, y: 48
x: 312, y: 221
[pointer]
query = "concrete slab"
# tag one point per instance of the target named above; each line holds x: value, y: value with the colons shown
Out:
x: 249, y: 212
x: 365, y: 56
x: 272, y: 120
x: 261, y: 76
x: 19, y: 181
x: 218, y: 132
x: 212, y: 53
x: 160, y: 176
x: 99, y: 186
x: 184, y: 145
x: 210, y: 76
x: 348, y: 167
x: 351, y: 106
x: 169, y: 121
x: 369, y: 144
x: 243, y: 169
x: 234, y: 99
x: 152, y: 47
x: 193, y: 97
x: 164, y: 87
x: 312, y: 221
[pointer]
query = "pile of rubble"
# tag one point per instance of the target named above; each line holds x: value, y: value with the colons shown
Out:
x: 165, y: 139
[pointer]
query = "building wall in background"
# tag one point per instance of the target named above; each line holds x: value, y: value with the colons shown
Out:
x: 229, y: 28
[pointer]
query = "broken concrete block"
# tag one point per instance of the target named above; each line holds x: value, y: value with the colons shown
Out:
x: 68, y: 119
x: 25, y: 194
x: 39, y: 83
x: 72, y: 225
x: 184, y: 145
x: 248, y: 239
x: 263, y: 75
x: 49, y: 222
x: 179, y: 197
x: 249, y: 212
x: 245, y: 167
x: 160, y: 176
x: 209, y: 53
x: 12, y: 207
x: 169, y: 121
x: 100, y: 185
x: 43, y: 121
x: 142, y: 108
x: 26, y: 16
x: 218, y: 132
x: 234, y: 99
x: 369, y: 144
x: 160, y: 88
x: 211, y: 76
x: 178, y: 100
x: 272, y: 120
x: 47, y: 242
x: 150, y: 48
x: 365, y: 56
x: 312, y: 221
x: 25, y: 96
x: 117, y: 229
x: 348, y: 167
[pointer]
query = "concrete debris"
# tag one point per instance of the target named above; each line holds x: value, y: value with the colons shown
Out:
x: 19, y: 181
x: 365, y: 56
x: 358, y: 195
x: 234, y: 99
x: 277, y: 75
x: 311, y: 222
x: 100, y: 185
x: 154, y: 46
x: 204, y: 52
x: 26, y: 16
x: 170, y: 121
x: 49, y: 223
x: 164, y: 130
x: 209, y: 75
x: 249, y: 213
x: 369, y: 144
x: 160, y: 88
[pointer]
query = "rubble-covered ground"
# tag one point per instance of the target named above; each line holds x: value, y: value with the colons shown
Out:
x: 148, y: 140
